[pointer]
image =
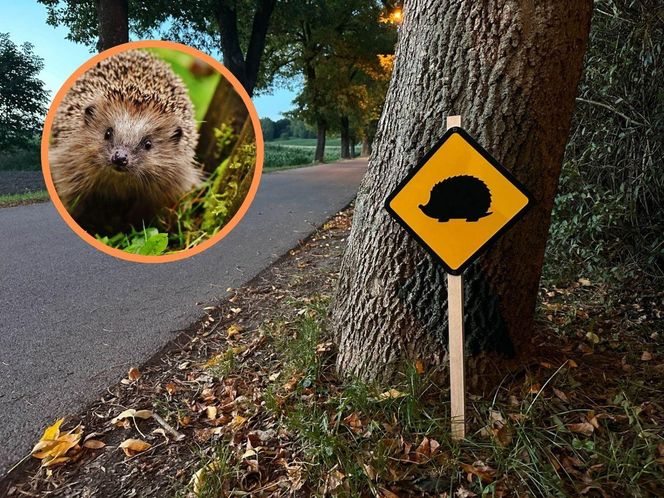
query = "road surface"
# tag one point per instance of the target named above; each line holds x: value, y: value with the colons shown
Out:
x: 73, y: 320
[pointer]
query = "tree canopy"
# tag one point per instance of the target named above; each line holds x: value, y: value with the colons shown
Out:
x: 22, y: 95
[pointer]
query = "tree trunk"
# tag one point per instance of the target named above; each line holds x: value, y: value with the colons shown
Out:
x: 511, y: 70
x: 226, y: 107
x: 366, y: 148
x: 345, y: 138
x: 320, y: 140
x: 112, y: 16
x: 352, y: 148
x: 245, y: 69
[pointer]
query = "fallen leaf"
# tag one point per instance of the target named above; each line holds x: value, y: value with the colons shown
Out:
x: 94, y: 444
x: 585, y: 428
x: 391, y: 394
x: 199, y: 478
x: 133, y: 447
x: 211, y: 412
x: 131, y: 413
x: 233, y: 330
x: 53, y: 446
x: 481, y: 470
x: 585, y: 282
x: 237, y: 422
x: 561, y: 395
x: 646, y: 356
x: 171, y: 388
x: 592, y: 337
x: 133, y: 373
x: 419, y: 366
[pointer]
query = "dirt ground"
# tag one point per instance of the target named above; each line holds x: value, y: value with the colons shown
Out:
x: 20, y: 182
x: 222, y: 391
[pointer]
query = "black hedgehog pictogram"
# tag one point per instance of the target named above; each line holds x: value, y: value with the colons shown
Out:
x: 458, y: 197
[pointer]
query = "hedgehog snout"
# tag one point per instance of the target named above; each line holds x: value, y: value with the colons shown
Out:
x: 120, y: 158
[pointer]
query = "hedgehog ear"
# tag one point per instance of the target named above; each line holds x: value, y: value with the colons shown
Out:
x: 177, y: 135
x: 89, y: 114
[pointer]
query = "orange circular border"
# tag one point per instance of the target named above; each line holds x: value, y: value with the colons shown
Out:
x: 118, y: 253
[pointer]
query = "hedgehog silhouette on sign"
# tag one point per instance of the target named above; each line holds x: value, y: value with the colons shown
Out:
x: 458, y: 197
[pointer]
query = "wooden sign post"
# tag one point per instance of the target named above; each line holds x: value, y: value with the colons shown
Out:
x: 455, y: 202
x: 455, y: 341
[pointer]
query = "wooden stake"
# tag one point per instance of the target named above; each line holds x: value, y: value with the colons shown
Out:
x: 455, y: 348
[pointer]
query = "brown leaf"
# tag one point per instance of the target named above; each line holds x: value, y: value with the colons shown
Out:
x: 561, y: 395
x: 419, y: 366
x: 354, y: 422
x: 133, y: 447
x: 646, y: 356
x: 585, y: 428
x: 481, y: 470
x: 133, y: 373
x: 94, y: 444
x: 171, y: 388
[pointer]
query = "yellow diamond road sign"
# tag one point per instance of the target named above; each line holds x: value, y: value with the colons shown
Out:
x: 457, y: 200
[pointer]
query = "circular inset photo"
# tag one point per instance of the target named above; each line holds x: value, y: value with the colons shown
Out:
x: 152, y: 151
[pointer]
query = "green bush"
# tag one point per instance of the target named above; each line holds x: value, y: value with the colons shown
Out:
x: 26, y: 159
x: 609, y: 214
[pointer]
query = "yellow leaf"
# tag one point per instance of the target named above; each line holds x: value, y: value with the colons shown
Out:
x: 53, y: 446
x: 52, y: 431
x: 391, y: 394
x: 233, y: 330
x: 237, y: 422
x: 211, y: 412
x: 592, y: 337
x: 132, y: 447
x: 198, y: 479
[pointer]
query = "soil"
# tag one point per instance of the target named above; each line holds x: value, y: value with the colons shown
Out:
x: 20, y: 182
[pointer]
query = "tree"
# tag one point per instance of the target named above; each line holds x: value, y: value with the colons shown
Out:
x: 113, y: 19
x: 22, y: 95
x: 236, y: 27
x: 511, y: 69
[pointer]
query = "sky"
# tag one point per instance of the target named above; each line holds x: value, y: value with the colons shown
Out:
x: 25, y: 21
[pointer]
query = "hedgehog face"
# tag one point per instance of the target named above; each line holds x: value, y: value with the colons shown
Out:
x: 134, y: 138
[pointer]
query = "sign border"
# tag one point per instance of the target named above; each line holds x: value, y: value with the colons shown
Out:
x: 491, y: 160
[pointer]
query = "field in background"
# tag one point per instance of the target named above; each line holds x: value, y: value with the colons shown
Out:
x: 296, y: 152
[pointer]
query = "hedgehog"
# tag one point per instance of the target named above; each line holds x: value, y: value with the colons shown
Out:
x: 123, y: 143
x: 458, y: 197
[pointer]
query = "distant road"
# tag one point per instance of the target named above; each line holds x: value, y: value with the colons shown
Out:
x: 73, y: 320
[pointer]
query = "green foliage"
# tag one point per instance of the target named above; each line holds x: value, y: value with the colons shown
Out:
x: 609, y: 214
x: 285, y: 156
x: 201, y: 83
x: 26, y: 198
x: 22, y: 95
x: 284, y: 129
x: 26, y: 158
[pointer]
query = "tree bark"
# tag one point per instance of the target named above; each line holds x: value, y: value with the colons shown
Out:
x: 321, y: 126
x: 345, y: 138
x: 226, y: 107
x: 366, y: 148
x: 113, y: 19
x: 511, y: 69
x: 245, y: 69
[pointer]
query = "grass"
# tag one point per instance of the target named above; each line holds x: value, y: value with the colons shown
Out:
x: 357, y: 439
x: 26, y: 198
x: 200, y: 214
x: 308, y: 142
x: 281, y: 156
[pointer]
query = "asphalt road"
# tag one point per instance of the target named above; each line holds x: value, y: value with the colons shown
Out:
x: 73, y: 320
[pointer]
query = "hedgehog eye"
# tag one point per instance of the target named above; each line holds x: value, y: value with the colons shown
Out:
x: 177, y: 135
x: 109, y: 133
x: 147, y: 144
